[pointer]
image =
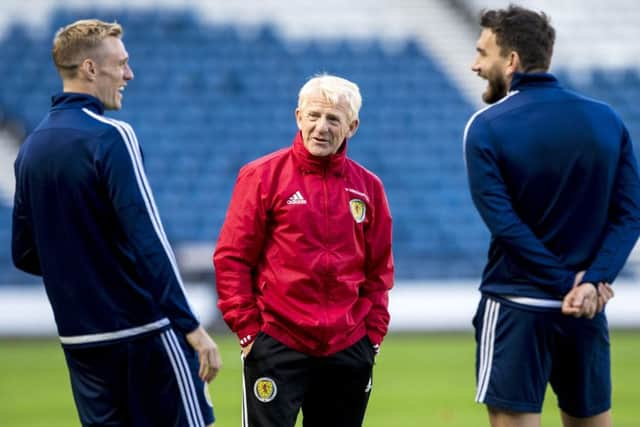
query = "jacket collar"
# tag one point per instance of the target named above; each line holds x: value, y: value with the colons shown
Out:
x: 308, y: 163
x: 522, y: 81
x: 66, y: 100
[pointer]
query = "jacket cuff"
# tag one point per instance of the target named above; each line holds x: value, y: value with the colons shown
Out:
x: 246, y: 340
x: 247, y: 335
x: 591, y: 277
x: 376, y: 339
x: 376, y: 348
x: 185, y: 326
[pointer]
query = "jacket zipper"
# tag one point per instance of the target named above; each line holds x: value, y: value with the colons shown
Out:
x: 326, y: 252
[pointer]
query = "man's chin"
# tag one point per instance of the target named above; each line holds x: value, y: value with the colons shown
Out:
x: 320, y: 153
x: 113, y: 106
x: 488, y: 98
x: 491, y: 97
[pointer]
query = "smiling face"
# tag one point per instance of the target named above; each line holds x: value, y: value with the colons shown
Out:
x: 112, y: 72
x: 324, y: 125
x: 492, y: 66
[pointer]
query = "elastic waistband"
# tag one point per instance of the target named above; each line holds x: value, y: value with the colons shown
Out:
x: 535, y: 302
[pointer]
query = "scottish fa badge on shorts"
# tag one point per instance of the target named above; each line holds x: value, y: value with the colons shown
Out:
x: 358, y: 210
x: 265, y: 389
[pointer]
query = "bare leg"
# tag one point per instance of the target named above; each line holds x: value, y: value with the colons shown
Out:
x: 601, y: 420
x: 502, y: 418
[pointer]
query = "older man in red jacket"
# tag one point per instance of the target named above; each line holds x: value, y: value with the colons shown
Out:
x: 304, y: 267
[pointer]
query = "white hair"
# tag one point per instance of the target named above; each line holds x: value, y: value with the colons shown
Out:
x: 335, y: 90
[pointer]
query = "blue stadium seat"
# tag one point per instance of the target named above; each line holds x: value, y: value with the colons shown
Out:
x: 214, y: 98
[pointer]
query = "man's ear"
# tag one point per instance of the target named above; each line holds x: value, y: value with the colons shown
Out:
x: 298, y: 115
x: 513, y: 63
x: 88, y: 69
x: 353, y: 127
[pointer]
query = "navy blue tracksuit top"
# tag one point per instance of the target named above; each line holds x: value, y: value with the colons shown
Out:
x: 84, y: 218
x: 554, y: 177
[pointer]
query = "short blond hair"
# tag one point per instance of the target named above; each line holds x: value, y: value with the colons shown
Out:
x: 77, y: 41
x: 335, y: 89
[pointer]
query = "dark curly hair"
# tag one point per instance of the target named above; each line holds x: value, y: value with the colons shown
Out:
x: 522, y: 30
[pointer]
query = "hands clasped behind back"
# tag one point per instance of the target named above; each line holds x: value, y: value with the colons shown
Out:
x: 585, y: 299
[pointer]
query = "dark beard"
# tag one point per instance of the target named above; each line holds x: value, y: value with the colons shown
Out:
x: 496, y: 90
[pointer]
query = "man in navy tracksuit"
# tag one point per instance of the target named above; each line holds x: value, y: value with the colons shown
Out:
x: 554, y: 177
x: 85, y: 219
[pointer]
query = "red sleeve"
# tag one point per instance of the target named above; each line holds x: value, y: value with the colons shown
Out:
x: 379, y: 267
x: 236, y: 256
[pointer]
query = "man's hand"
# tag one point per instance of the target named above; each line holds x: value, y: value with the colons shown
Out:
x: 605, y: 293
x: 581, y: 301
x: 208, y: 353
x: 578, y: 279
x: 247, y: 349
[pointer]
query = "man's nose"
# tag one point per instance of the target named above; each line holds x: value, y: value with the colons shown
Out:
x: 322, y: 123
x: 128, y: 73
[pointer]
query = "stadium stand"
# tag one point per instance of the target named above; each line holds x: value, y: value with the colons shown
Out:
x: 210, y: 100
x: 588, y: 31
x: 209, y: 97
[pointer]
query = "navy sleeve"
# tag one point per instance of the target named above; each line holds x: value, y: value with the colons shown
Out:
x: 120, y: 166
x: 491, y: 198
x: 23, y: 248
x: 624, y: 220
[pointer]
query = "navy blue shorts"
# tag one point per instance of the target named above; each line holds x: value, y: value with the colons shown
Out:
x: 520, y: 349
x: 149, y: 380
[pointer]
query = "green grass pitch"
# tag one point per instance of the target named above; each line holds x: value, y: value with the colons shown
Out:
x: 419, y: 380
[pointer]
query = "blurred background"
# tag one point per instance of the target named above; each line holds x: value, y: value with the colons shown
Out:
x: 216, y: 85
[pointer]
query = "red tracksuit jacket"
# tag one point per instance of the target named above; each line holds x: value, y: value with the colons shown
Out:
x: 305, y: 252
